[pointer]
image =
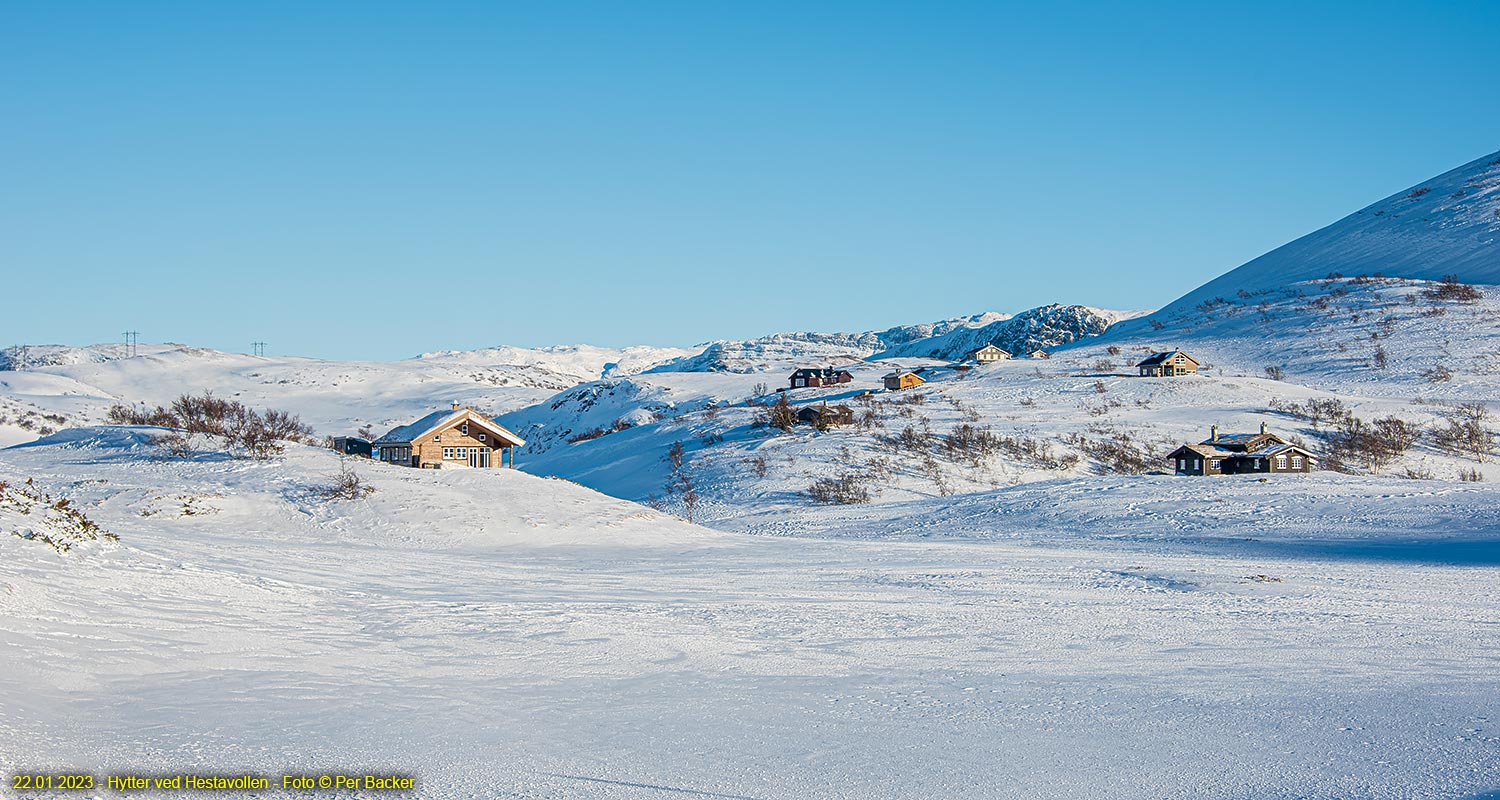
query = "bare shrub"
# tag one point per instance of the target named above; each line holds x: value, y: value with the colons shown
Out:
x: 1276, y: 373
x: 1471, y: 476
x: 179, y: 444
x: 1438, y: 374
x: 254, y: 434
x: 1118, y: 453
x: 680, y: 483
x: 781, y: 415
x: 1465, y: 433
x: 1452, y: 289
x: 848, y: 488
x: 1418, y: 473
x: 346, y: 485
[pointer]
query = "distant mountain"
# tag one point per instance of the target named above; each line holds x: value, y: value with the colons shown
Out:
x: 1041, y: 328
x: 1044, y: 327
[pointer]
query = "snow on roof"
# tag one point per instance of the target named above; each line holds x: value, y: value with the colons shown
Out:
x: 1277, y: 449
x: 1236, y: 438
x: 406, y: 434
x: 1207, y: 450
x: 1157, y: 358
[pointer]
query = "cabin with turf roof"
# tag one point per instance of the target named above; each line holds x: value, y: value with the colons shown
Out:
x: 1261, y: 453
x: 458, y: 437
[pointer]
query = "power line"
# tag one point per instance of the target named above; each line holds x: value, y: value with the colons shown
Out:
x: 260, y: 348
x: 130, y: 340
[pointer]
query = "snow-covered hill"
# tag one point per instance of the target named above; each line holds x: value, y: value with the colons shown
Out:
x: 79, y: 384
x: 1448, y: 225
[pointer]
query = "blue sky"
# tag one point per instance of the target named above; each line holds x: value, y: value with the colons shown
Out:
x: 373, y: 180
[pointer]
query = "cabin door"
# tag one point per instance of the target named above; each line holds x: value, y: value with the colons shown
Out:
x: 479, y: 457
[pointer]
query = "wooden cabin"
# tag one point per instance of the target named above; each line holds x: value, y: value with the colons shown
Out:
x: 902, y: 379
x: 1039, y: 354
x: 352, y: 446
x: 1261, y: 453
x: 458, y: 437
x: 989, y: 354
x: 827, y: 376
x: 1169, y: 364
x: 826, y: 416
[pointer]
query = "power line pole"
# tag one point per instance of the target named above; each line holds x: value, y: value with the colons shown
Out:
x: 260, y: 348
x: 18, y: 357
x: 130, y: 340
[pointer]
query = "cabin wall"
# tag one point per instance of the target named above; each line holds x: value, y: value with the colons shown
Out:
x: 430, y: 449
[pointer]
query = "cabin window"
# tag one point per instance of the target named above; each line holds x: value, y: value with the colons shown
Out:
x: 438, y: 438
x: 1296, y: 462
x: 1181, y: 360
x: 464, y: 429
x: 1213, y: 464
x: 1281, y: 462
x: 481, y: 437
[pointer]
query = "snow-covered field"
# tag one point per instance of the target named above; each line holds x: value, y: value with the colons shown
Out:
x: 501, y: 635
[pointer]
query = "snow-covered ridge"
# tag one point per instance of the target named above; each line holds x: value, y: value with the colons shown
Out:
x: 1038, y: 328
x: 1041, y: 328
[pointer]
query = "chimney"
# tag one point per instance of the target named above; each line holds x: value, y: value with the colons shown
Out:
x: 456, y: 406
x: 1213, y: 433
x: 1263, y: 428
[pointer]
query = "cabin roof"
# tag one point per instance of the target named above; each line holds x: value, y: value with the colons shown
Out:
x: 991, y: 346
x: 1206, y: 450
x: 1278, y: 449
x: 406, y: 434
x: 1156, y: 359
x: 1270, y: 450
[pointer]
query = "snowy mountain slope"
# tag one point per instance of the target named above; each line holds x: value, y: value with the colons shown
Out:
x: 1448, y: 225
x: 608, y: 650
x: 1388, y: 337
